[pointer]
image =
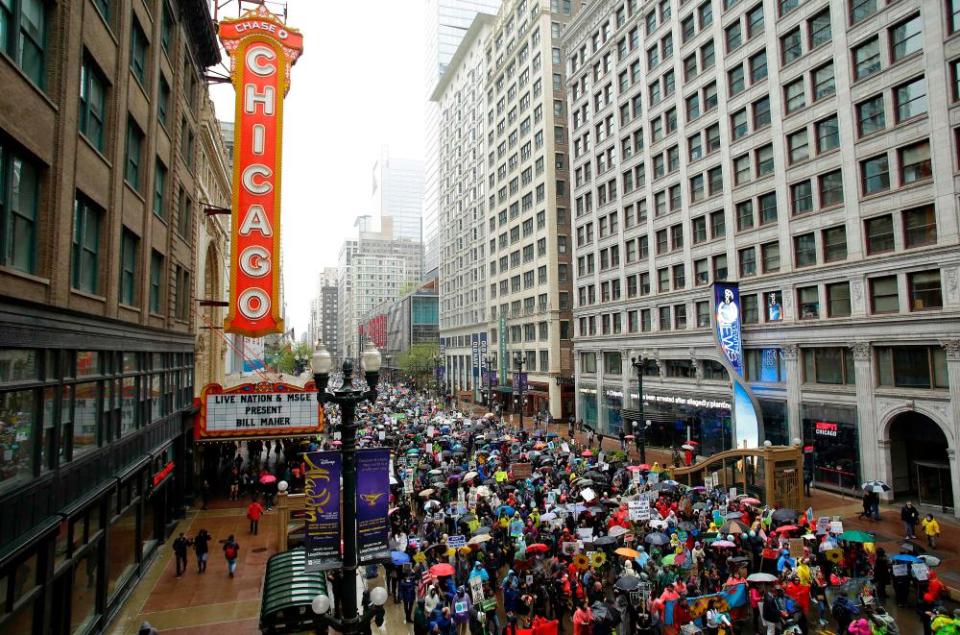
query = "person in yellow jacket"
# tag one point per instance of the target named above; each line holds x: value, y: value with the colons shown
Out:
x: 803, y: 572
x: 932, y: 529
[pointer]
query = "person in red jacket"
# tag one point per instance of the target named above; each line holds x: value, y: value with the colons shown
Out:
x: 582, y: 619
x: 254, y: 512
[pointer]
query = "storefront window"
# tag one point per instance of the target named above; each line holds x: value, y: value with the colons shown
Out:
x: 612, y: 420
x: 86, y: 413
x: 775, y: 428
x: 912, y: 366
x: 149, y: 541
x: 122, y: 545
x: 128, y: 403
x: 764, y: 365
x: 713, y: 369
x: 588, y: 407
x: 828, y: 365
x: 156, y: 397
x: 588, y: 363
x: 83, y: 599
x: 88, y: 363
x: 17, y: 414
x: 832, y: 431
x: 18, y: 365
x: 707, y: 418
x: 612, y: 364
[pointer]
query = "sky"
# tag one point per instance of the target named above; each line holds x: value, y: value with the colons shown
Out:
x: 357, y: 86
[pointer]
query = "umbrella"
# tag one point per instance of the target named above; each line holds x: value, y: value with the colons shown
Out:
x: 441, y: 569
x: 876, y: 486
x: 476, y: 540
x: 628, y: 583
x: 398, y: 558
x: 687, y: 446
x: 479, y: 531
x: 644, y: 467
x: 603, y: 541
x: 675, y: 559
x: 548, y: 516
x: 634, y: 468
x: 537, y: 547
x: 785, y: 528
x: 734, y: 527
x: 266, y: 479
x: 505, y: 509
x: 733, y: 515
x: 749, y: 500
x: 431, y: 504
x: 761, y: 577
x: 483, y: 490
x: 785, y: 514
x: 929, y: 560
x: 336, y: 443
x: 426, y: 493
x: 627, y: 552
x: 723, y: 544
x: 587, y: 453
x: 852, y: 535
x: 658, y: 524
x: 656, y: 538
x: 905, y: 557
x: 616, y: 531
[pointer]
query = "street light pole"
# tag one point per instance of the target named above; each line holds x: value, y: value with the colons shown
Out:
x: 489, y: 360
x: 638, y: 364
x: 520, y: 361
x: 348, y: 399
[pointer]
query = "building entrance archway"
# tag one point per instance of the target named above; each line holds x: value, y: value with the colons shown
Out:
x: 919, y: 459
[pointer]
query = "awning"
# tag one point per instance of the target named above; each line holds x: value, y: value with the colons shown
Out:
x: 288, y: 592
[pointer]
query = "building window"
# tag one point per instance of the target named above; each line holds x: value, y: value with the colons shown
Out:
x: 831, y: 189
x: 770, y: 254
x: 791, y: 47
x: 797, y: 146
x: 838, y: 299
x: 808, y: 300
x: 805, y: 250
x: 912, y: 366
x: 835, y: 244
x: 820, y: 29
x: 185, y: 217
x: 138, y: 52
x: 93, y: 89
x: 879, y: 231
x: 861, y: 9
x: 828, y: 134
x: 156, y: 282
x: 801, y: 197
x: 911, y: 99
x: 758, y: 67
x: 19, y: 206
x: 744, y: 215
x: 680, y: 316
x: 748, y: 262
x: 870, y: 117
x: 764, y: 365
x: 914, y: 162
x: 794, y: 95
x: 875, y: 174
x: 664, y: 318
x: 159, y: 189
x: 924, y: 289
x: 129, y: 245
x: 751, y: 312
x: 23, y: 32
x: 134, y: 155
x: 919, y: 226
x: 703, y: 314
x: 866, y: 58
x: 884, y: 295
x: 828, y: 365
x: 184, y: 293
x: 87, y: 219
x: 906, y: 38
x: 720, y: 267
x: 163, y: 101
x: 953, y: 17
x: 718, y: 226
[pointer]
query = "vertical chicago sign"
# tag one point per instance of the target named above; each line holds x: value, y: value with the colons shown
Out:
x: 262, y: 49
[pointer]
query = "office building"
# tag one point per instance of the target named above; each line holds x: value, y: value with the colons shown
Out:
x: 528, y: 215
x: 325, y: 311
x: 446, y: 23
x: 396, y: 325
x: 398, y: 194
x: 807, y: 151
x: 100, y: 131
x: 464, y: 311
x: 371, y: 269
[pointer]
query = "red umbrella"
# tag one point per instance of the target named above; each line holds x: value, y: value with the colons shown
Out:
x: 587, y: 453
x: 784, y: 529
x: 644, y: 467
x: 442, y: 569
x: 629, y: 437
x: 537, y: 547
x: 266, y: 479
x: 634, y: 468
x: 336, y: 444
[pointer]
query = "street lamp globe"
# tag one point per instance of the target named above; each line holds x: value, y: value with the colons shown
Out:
x: 320, y: 604
x: 378, y: 595
x: 370, y: 358
x: 321, y: 363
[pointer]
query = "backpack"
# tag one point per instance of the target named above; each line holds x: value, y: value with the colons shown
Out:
x: 230, y: 551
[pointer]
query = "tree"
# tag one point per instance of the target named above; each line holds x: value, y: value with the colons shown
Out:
x: 418, y: 361
x: 287, y: 358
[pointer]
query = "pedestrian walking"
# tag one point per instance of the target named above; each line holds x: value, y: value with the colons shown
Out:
x: 910, y: 517
x: 231, y: 551
x: 931, y: 529
x: 201, y: 546
x: 254, y: 512
x: 180, y: 546
x: 204, y: 493
x: 623, y: 439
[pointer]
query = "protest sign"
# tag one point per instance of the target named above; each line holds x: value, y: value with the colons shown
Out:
x: 455, y: 542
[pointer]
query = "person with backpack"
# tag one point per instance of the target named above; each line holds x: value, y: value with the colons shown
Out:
x: 201, y: 546
x: 231, y: 551
x: 254, y: 513
x: 180, y: 546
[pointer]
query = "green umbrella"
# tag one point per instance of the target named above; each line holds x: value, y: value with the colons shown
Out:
x: 668, y: 560
x: 853, y: 535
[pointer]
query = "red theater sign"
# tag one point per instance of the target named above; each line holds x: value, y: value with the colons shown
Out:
x: 262, y: 49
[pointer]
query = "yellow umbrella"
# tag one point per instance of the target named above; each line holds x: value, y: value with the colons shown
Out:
x: 627, y: 552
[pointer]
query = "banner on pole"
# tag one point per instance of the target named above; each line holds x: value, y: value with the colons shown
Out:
x: 373, y: 497
x: 322, y: 488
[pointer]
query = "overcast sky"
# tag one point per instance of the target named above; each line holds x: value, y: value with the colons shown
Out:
x: 357, y: 86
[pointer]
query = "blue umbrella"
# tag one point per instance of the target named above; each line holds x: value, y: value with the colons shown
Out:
x: 399, y: 558
x: 905, y: 557
x: 505, y: 509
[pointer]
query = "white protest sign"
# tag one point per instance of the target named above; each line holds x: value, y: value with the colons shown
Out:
x: 836, y: 527
x: 476, y: 589
x: 653, y: 478
x: 456, y: 542
x: 585, y: 534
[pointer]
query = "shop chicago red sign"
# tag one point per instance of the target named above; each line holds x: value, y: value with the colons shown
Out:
x: 262, y: 49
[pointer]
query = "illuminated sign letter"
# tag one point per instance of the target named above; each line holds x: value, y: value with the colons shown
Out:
x: 262, y: 49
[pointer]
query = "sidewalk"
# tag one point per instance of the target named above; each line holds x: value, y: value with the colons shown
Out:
x: 212, y: 602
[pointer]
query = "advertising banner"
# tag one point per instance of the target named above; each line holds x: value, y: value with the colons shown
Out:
x: 727, y: 323
x: 322, y: 490
x: 252, y: 354
x: 373, y: 497
x: 262, y: 49
x: 502, y: 340
x: 520, y: 382
x: 475, y: 354
x: 263, y: 409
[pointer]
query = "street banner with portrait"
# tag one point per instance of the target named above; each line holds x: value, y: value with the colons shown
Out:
x: 322, y: 491
x: 727, y: 321
x: 373, y: 497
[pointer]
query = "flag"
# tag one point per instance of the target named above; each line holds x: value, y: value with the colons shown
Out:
x: 733, y: 598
